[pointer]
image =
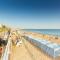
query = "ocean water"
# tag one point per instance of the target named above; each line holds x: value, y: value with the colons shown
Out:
x: 55, y: 32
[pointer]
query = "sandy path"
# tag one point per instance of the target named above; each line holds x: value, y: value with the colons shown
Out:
x: 27, y: 51
x: 20, y: 53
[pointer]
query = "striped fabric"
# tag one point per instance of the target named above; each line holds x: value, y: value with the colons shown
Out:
x: 50, y: 48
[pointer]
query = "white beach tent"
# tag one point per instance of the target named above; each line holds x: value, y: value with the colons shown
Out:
x: 50, y: 48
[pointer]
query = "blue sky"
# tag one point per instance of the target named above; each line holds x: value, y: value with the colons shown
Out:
x: 40, y: 14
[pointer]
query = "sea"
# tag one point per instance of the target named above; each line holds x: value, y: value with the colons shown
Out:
x: 55, y: 32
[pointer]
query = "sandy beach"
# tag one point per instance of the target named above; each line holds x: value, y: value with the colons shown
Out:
x: 27, y: 51
x: 29, y: 29
x: 46, y: 37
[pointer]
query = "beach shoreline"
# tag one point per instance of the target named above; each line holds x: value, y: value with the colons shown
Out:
x: 20, y: 33
x: 51, y: 38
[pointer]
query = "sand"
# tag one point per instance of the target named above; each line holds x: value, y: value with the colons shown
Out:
x: 27, y: 51
x: 46, y: 37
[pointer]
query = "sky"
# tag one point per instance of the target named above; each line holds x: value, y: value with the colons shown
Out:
x: 30, y: 14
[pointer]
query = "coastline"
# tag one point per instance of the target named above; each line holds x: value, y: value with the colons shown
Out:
x: 51, y: 38
x: 22, y: 50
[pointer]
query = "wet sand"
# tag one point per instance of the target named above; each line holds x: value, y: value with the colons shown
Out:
x: 27, y: 51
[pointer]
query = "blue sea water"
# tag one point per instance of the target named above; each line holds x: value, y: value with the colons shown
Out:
x: 55, y: 32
